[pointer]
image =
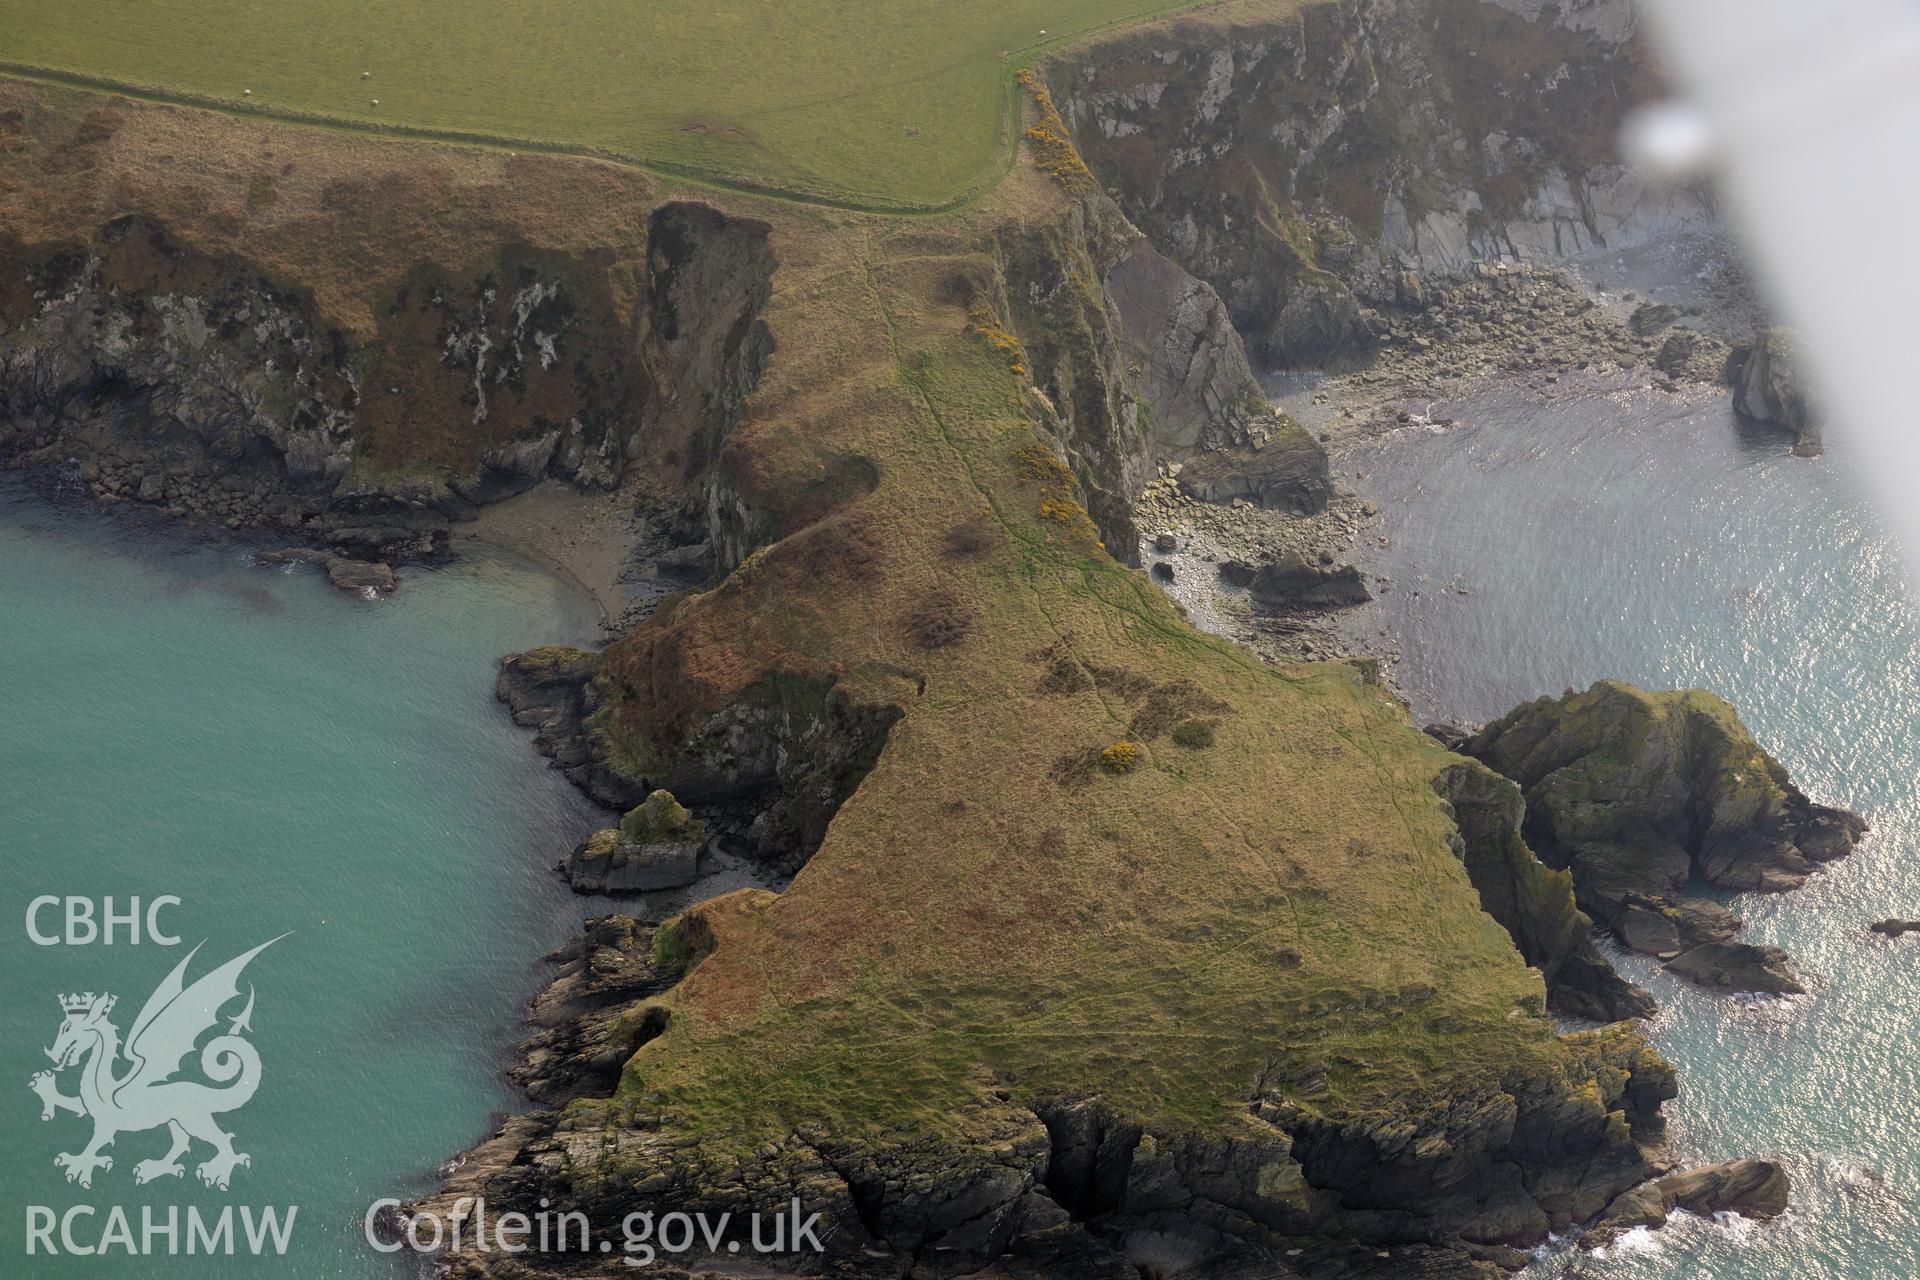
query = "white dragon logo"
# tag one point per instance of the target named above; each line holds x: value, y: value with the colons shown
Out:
x: 146, y: 1096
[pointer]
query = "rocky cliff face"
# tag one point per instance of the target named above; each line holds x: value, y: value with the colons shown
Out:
x: 1305, y: 166
x: 1116, y: 355
x: 138, y: 362
x: 767, y: 765
x: 1636, y: 794
x: 1133, y: 360
x: 1041, y: 989
x: 153, y: 368
x: 1533, y: 902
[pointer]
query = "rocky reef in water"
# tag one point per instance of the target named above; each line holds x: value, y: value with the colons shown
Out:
x: 1756, y: 1189
x: 1638, y: 795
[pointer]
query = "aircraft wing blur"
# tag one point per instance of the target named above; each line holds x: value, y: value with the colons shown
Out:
x: 1811, y: 114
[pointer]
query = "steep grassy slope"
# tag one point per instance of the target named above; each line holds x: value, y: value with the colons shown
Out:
x: 897, y: 105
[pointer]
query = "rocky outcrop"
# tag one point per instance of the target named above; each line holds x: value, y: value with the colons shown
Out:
x: 1737, y: 966
x: 1285, y: 472
x: 359, y: 576
x: 1894, y: 928
x: 1638, y: 793
x: 1289, y: 582
x: 552, y: 691
x: 1749, y: 1187
x: 1769, y: 385
x: 1533, y: 902
x: 656, y: 846
x: 595, y: 1012
x: 1301, y: 166
x: 769, y: 766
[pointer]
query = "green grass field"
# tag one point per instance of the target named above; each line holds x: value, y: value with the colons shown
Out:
x: 898, y: 105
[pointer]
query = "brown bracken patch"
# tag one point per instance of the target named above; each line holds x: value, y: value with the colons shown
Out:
x: 939, y: 621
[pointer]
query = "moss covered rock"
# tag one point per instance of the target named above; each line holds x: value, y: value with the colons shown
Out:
x: 660, y: 818
x: 1639, y: 793
x: 656, y: 846
x: 1533, y: 902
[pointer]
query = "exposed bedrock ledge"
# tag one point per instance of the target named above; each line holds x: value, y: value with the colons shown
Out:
x: 1638, y: 794
x: 159, y: 372
x: 1069, y: 1189
x: 1749, y: 1187
x: 766, y: 766
x: 1301, y: 164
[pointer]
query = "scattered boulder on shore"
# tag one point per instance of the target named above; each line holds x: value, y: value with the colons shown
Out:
x: 1287, y: 473
x: 656, y: 846
x: 343, y: 572
x: 1639, y: 793
x: 1769, y: 385
x: 1746, y: 1186
x: 1290, y: 582
x: 1652, y: 317
x: 1687, y: 355
x: 1237, y: 574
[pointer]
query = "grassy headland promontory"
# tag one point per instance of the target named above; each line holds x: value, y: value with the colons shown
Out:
x: 1107, y: 943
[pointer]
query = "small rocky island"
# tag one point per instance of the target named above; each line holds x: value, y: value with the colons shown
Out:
x: 1640, y: 795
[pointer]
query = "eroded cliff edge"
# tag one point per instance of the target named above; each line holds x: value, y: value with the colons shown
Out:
x: 354, y: 345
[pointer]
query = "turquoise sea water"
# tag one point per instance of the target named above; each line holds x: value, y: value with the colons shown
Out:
x: 286, y: 759
x: 1636, y: 536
